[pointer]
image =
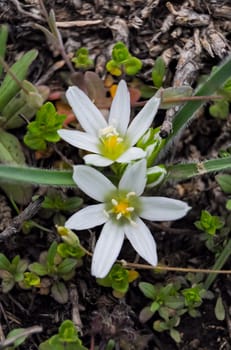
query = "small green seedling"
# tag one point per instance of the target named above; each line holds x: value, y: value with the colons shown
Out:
x: 66, y: 339
x: 118, y: 279
x: 11, y: 272
x: 82, y: 60
x: 122, y: 61
x: 44, y: 128
x: 30, y: 280
x: 173, y: 300
x: 51, y: 264
x: 209, y: 223
x: 56, y: 201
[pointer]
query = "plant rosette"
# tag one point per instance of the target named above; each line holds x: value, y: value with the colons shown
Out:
x: 113, y: 140
x: 120, y: 211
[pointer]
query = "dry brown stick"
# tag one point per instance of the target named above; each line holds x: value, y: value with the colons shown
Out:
x: 74, y: 298
x: 18, y: 221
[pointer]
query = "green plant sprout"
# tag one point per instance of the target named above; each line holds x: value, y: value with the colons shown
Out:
x: 122, y: 61
x: 54, y: 266
x: 11, y: 272
x: 173, y: 300
x: 30, y: 280
x: 82, y: 60
x: 44, y: 128
x: 118, y: 279
x: 55, y: 200
x: 209, y: 223
x: 66, y: 339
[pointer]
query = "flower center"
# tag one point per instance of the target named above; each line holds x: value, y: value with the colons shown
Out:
x: 112, y: 145
x: 123, y: 206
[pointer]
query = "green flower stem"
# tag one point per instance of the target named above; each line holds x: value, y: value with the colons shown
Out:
x: 211, y: 85
x: 224, y: 256
x: 185, y: 171
x: 23, y: 175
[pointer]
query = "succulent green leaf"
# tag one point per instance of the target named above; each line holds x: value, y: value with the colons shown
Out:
x: 219, y: 309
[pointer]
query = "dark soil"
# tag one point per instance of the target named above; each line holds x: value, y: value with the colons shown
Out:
x: 149, y: 29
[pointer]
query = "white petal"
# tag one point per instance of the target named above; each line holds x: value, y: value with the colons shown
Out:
x: 80, y: 139
x: 142, y: 241
x: 143, y: 120
x: 134, y: 178
x: 92, y: 182
x: 97, y: 160
x: 162, y: 208
x: 88, y: 217
x: 86, y: 112
x: 132, y: 153
x: 107, y: 249
x: 120, y: 109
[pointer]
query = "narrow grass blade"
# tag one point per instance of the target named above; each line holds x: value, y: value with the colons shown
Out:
x: 216, y: 79
x: 23, y: 175
x: 186, y: 171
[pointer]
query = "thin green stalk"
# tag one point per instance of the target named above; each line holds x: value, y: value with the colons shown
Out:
x: 23, y: 175
x: 224, y: 256
x: 185, y: 171
x: 216, y: 79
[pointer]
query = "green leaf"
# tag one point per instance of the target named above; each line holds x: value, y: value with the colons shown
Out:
x: 3, y: 41
x: 155, y: 306
x: 173, y: 93
x: 17, y: 332
x: 219, y: 309
x: 66, y: 266
x: 9, y: 87
x: 158, y: 72
x: 38, y: 268
x: 68, y: 332
x: 148, y: 290
x: 120, y: 52
x: 20, y: 175
x: 186, y: 171
x: 10, y: 149
x: 228, y: 204
x: 219, y: 109
x: 4, y: 262
x: 224, y: 181
x: 132, y: 66
x: 59, y: 292
x: 51, y: 254
x: 44, y: 128
x: 175, y: 335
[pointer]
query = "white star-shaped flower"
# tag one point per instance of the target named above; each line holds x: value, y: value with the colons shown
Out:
x: 120, y: 211
x: 111, y: 141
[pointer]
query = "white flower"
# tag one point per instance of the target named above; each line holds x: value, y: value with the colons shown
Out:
x: 120, y: 211
x: 113, y: 140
